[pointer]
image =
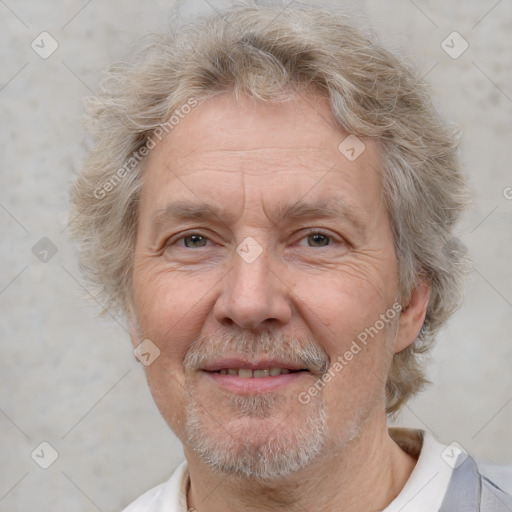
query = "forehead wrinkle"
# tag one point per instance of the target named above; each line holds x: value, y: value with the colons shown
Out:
x: 333, y: 207
x: 199, y: 209
x: 226, y: 160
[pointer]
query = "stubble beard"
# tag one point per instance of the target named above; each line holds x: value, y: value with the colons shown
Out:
x: 265, y: 436
x: 245, y: 448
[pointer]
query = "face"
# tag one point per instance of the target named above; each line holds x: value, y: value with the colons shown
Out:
x: 263, y: 257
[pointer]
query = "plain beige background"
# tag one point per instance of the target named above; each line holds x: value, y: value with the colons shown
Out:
x: 71, y: 380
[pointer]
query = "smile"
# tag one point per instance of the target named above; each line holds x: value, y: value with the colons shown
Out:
x: 247, y: 373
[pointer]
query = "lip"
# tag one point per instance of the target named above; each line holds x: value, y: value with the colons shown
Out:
x: 260, y: 364
x: 236, y: 384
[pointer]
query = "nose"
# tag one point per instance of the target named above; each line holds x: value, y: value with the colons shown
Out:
x: 253, y: 296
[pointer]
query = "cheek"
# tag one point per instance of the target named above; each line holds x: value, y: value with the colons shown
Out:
x: 358, y: 375
x: 343, y: 312
x: 167, y: 388
x: 339, y: 305
x: 171, y: 310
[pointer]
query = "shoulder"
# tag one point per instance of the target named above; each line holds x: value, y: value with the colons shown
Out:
x: 500, y: 476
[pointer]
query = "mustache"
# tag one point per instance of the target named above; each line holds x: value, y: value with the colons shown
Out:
x: 306, y: 353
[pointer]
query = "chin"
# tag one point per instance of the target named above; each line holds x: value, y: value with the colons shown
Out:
x: 256, y: 442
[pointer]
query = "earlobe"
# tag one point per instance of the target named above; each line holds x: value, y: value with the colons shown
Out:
x: 413, y: 315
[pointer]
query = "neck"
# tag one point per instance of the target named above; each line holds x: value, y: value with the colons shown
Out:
x: 364, y: 475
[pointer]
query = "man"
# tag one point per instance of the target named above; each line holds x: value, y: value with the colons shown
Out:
x: 271, y: 204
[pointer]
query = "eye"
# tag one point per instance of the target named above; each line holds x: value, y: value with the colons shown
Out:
x: 193, y: 240
x: 318, y: 239
x: 197, y: 240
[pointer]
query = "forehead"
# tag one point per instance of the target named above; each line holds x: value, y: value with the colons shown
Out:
x: 285, y: 152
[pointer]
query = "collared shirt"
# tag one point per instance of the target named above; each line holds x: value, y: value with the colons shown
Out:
x: 424, y: 491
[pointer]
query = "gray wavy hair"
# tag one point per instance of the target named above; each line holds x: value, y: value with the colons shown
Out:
x: 257, y: 49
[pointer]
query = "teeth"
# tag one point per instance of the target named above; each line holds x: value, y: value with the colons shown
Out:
x: 246, y: 373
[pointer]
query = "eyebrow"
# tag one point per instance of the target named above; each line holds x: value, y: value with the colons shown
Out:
x: 334, y: 207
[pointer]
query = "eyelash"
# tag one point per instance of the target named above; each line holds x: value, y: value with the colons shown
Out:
x: 306, y: 235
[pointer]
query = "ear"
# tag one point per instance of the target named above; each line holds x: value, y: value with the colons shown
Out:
x: 133, y: 324
x: 413, y: 315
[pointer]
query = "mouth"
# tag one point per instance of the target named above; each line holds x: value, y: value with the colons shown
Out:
x: 247, y: 373
x: 246, y: 377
